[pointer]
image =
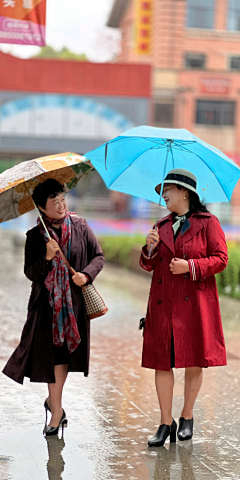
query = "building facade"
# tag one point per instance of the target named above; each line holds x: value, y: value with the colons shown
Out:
x: 49, y: 106
x: 194, y: 49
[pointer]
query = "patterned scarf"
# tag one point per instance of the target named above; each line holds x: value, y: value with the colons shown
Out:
x: 57, y: 283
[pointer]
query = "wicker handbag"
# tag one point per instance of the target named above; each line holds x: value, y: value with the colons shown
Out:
x: 95, y: 306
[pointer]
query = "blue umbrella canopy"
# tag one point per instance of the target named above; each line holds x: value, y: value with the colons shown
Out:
x: 139, y: 159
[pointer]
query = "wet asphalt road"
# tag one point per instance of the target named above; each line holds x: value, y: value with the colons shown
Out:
x: 113, y: 412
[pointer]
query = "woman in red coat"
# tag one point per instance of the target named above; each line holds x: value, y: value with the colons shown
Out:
x: 183, y: 326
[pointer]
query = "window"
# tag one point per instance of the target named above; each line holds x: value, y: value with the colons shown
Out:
x: 234, y: 15
x: 234, y: 64
x: 164, y: 113
x: 195, y: 61
x: 215, y: 113
x: 200, y: 14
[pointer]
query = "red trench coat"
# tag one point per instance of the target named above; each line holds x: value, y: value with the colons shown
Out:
x: 185, y: 305
x: 33, y: 357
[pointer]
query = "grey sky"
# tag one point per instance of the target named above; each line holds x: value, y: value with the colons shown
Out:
x: 80, y: 25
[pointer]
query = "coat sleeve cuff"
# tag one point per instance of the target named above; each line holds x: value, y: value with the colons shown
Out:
x: 89, y: 280
x: 146, y: 262
x: 194, y: 270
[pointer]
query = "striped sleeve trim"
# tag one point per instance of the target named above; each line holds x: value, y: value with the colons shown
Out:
x: 147, y: 257
x: 192, y: 264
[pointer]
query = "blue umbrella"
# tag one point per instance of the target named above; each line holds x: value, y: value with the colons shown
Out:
x: 139, y: 159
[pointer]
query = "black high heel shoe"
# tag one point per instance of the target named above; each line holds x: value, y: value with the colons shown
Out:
x: 47, y: 409
x: 185, y: 429
x: 48, y: 431
x: 162, y: 434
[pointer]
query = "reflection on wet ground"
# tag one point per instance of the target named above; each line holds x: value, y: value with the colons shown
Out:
x: 113, y: 412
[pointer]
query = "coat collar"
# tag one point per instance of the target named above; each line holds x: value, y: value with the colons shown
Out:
x: 166, y: 231
x: 76, y: 220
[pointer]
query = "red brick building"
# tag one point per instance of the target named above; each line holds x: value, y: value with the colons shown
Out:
x: 194, y: 49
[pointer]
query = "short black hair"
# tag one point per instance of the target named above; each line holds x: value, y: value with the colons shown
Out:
x: 195, y: 205
x: 48, y: 189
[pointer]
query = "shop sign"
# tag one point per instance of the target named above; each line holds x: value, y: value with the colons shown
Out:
x: 22, y: 22
x: 220, y: 86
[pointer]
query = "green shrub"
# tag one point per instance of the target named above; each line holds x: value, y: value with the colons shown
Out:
x: 117, y: 248
x: 228, y: 281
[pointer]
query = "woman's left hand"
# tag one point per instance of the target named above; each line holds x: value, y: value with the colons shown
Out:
x: 79, y: 279
x: 178, y: 265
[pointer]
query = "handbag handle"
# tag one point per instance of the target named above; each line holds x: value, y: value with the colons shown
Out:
x: 66, y: 262
x: 72, y: 271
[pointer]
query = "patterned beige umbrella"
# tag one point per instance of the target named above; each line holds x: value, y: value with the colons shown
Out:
x: 17, y: 183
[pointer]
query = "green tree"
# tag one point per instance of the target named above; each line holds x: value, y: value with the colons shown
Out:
x: 64, y: 54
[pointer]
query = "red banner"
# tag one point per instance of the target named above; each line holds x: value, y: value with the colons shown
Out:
x: 23, y: 22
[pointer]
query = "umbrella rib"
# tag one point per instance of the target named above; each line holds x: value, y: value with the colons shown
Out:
x: 177, y: 146
x: 189, y: 151
x: 136, y: 159
x: 162, y: 145
x: 13, y: 203
x: 127, y: 138
x: 172, y: 157
x: 187, y: 142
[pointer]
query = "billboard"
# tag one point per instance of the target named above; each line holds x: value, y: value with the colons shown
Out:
x: 143, y: 26
x: 23, y: 22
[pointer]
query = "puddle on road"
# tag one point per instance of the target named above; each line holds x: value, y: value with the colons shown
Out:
x: 34, y: 457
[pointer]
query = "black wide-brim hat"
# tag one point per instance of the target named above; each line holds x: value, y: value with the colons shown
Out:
x: 180, y: 176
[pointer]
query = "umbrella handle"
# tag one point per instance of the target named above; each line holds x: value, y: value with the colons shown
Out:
x: 72, y: 271
x: 49, y: 236
x: 150, y: 251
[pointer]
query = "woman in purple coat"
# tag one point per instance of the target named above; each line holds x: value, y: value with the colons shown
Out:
x: 56, y: 336
x: 183, y: 324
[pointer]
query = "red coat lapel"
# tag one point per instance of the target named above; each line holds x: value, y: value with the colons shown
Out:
x: 165, y: 232
x: 197, y: 223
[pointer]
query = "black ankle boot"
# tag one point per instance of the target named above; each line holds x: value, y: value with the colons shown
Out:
x: 162, y: 433
x: 185, y: 429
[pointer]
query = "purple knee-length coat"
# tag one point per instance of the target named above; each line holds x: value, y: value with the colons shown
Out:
x: 33, y: 357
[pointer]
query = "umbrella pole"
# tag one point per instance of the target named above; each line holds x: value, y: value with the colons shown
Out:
x: 161, y: 191
x: 39, y: 213
x: 44, y: 226
x: 41, y: 218
x: 164, y: 173
x: 48, y: 234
